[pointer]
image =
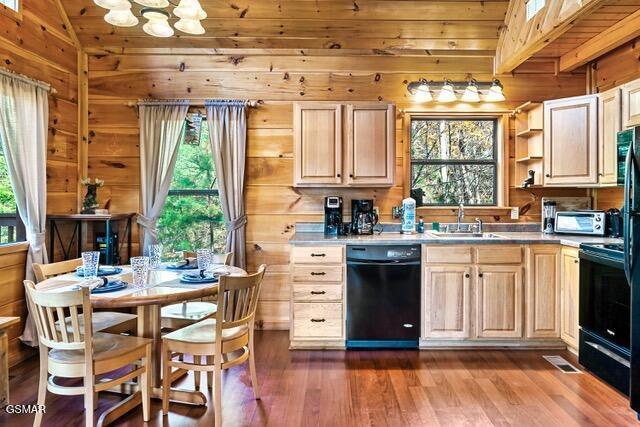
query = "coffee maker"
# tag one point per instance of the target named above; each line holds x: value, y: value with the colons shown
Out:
x: 363, y: 218
x: 333, y: 216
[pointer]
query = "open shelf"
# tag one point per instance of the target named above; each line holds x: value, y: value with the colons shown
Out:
x: 528, y: 159
x: 528, y: 132
x: 529, y: 144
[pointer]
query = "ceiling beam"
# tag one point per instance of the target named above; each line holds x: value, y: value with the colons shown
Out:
x: 521, y: 39
x: 620, y: 33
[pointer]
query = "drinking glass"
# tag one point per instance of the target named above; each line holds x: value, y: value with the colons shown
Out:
x: 139, y: 270
x: 204, y: 259
x: 155, y: 255
x: 90, y: 261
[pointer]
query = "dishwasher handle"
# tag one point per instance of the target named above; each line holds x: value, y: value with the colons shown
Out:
x: 381, y: 262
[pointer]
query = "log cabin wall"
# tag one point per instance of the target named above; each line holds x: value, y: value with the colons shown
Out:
x: 36, y: 43
x: 116, y: 81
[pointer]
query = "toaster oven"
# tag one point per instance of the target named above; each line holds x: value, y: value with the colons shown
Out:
x: 580, y: 222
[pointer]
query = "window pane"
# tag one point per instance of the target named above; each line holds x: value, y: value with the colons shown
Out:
x: 11, y: 4
x: 448, y: 139
x: 194, y: 167
x: 11, y: 229
x: 471, y: 184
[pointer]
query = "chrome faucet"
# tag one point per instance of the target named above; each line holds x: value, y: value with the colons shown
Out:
x: 479, y: 225
x: 460, y: 214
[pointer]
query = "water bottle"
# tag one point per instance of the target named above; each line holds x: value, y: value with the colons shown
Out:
x: 408, y: 216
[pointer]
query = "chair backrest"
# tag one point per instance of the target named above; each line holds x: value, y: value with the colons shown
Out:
x: 46, y: 271
x: 48, y: 308
x: 215, y: 258
x: 238, y: 299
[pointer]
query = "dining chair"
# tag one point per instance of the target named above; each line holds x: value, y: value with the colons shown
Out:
x: 221, y: 342
x: 81, y: 353
x: 102, y: 321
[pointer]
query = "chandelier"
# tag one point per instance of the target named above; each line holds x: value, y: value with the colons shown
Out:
x: 190, y: 13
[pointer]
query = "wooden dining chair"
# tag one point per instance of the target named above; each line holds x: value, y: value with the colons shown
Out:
x: 102, y: 321
x: 79, y: 353
x: 221, y: 342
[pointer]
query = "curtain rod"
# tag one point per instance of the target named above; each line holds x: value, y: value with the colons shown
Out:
x: 194, y: 103
x: 26, y: 79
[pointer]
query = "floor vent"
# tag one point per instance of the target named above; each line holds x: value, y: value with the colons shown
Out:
x: 562, y: 364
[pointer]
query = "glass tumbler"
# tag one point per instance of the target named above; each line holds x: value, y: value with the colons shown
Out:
x: 139, y: 270
x: 155, y: 255
x: 204, y: 259
x: 90, y: 261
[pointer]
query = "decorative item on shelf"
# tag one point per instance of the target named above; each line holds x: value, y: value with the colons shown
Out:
x: 90, y: 203
x: 530, y: 179
x: 471, y: 91
x: 189, y: 12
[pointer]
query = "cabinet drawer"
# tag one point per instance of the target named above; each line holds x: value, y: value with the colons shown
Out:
x: 317, y: 255
x: 317, y: 293
x: 499, y: 254
x: 317, y: 320
x: 319, y: 273
x: 450, y: 254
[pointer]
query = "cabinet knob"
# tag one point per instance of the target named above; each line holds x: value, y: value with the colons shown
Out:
x: 350, y: 175
x: 547, y: 175
x: 479, y: 274
x: 338, y: 175
x: 600, y: 174
x: 467, y: 275
x: 576, y: 261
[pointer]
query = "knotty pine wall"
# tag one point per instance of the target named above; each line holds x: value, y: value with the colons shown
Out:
x: 116, y: 81
x: 38, y: 45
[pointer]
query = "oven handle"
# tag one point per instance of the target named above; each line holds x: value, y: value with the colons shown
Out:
x: 628, y: 172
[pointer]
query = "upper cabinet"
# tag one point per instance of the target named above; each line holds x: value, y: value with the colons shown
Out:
x: 571, y: 141
x: 326, y: 133
x: 631, y: 104
x: 609, y: 124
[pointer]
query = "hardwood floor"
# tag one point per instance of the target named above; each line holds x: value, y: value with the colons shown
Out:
x: 372, y: 388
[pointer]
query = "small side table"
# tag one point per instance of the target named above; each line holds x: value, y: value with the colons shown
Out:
x: 5, y: 322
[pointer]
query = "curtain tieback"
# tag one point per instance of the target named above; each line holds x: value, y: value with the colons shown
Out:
x: 237, y: 223
x: 146, y: 222
x: 37, y: 239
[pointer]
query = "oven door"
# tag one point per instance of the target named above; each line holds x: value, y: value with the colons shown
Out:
x: 605, y: 298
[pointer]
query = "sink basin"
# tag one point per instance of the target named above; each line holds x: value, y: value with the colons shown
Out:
x: 463, y: 235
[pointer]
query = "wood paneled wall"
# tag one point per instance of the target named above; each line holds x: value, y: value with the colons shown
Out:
x: 273, y: 205
x: 39, y: 46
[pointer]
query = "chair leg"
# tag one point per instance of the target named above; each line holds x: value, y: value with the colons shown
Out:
x: 252, y: 368
x: 210, y: 373
x: 166, y: 380
x: 196, y: 374
x: 42, y: 385
x: 217, y: 393
x: 89, y: 402
x: 144, y: 384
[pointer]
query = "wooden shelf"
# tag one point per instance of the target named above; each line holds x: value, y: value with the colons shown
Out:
x: 528, y: 158
x: 528, y: 132
x: 520, y: 187
x: 529, y: 105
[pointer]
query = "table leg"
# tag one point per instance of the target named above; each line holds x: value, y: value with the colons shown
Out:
x: 129, y: 240
x: 79, y: 225
x: 52, y: 241
x: 4, y: 369
x: 108, y: 247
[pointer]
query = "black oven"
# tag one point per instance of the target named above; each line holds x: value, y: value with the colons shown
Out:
x: 605, y: 314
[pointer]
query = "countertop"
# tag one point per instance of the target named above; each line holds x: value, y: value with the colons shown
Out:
x: 394, y: 238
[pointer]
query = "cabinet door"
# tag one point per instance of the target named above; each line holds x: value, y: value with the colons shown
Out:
x: 543, y: 292
x: 571, y: 141
x: 499, y: 302
x: 447, y: 301
x: 609, y: 124
x: 631, y: 104
x: 371, y: 144
x: 318, y: 144
x: 570, y: 288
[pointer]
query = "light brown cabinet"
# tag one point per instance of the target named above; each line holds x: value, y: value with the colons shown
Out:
x: 499, y: 301
x: 569, y: 300
x: 631, y: 104
x: 571, y: 141
x: 447, y: 301
x: 542, y: 310
x: 350, y: 145
x: 609, y: 124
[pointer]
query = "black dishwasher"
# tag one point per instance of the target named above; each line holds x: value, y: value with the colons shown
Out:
x: 383, y: 296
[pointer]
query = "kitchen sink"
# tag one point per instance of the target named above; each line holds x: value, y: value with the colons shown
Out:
x: 465, y: 235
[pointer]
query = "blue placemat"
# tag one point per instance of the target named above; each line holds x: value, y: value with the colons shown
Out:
x: 195, y: 278
x: 116, y: 285
x: 102, y: 271
x: 181, y: 267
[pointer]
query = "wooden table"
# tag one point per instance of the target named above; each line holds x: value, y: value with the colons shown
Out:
x: 5, y: 322
x: 164, y: 288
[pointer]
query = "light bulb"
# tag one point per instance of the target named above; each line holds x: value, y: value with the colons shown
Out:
x: 158, y: 24
x: 153, y: 3
x: 121, y: 18
x: 113, y: 4
x: 471, y: 92
x: 189, y: 26
x: 447, y: 94
x: 422, y: 93
x: 190, y: 9
x: 495, y: 93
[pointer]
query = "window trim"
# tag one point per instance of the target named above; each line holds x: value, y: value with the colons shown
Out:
x: 502, y: 154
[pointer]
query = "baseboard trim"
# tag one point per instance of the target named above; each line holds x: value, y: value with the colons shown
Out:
x: 493, y: 344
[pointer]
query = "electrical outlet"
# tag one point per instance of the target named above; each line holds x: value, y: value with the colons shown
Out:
x: 515, y: 213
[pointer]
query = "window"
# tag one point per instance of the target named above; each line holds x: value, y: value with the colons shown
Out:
x: 11, y: 227
x: 192, y: 216
x: 11, y: 4
x: 533, y: 7
x: 454, y: 161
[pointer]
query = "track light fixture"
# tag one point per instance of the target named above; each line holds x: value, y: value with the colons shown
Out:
x: 469, y: 91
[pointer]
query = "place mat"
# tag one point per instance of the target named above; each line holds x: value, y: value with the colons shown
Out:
x: 112, y: 286
x: 102, y: 271
x: 195, y: 278
x: 178, y: 267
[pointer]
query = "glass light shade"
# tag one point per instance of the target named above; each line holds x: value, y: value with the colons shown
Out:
x: 471, y: 93
x: 447, y: 94
x: 495, y: 93
x: 422, y: 93
x: 190, y: 9
x: 153, y: 3
x: 189, y: 26
x: 113, y: 4
x: 121, y: 18
x: 158, y: 24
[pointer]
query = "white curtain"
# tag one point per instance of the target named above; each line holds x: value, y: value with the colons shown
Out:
x: 228, y: 131
x: 161, y: 128
x: 24, y: 117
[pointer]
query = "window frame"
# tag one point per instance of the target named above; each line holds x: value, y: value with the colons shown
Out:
x: 501, y: 153
x: 16, y: 15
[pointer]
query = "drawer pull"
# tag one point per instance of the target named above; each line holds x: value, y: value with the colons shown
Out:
x: 318, y: 292
x: 318, y: 320
x: 318, y: 255
x: 315, y: 273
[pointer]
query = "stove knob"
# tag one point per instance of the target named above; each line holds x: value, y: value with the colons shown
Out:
x: 598, y: 219
x: 597, y: 227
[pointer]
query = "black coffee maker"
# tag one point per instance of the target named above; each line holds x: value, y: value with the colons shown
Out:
x: 333, y: 216
x: 363, y: 218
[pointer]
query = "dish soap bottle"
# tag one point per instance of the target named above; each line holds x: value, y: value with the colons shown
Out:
x: 420, y: 226
x: 408, y: 216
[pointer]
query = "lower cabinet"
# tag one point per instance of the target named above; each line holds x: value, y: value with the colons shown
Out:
x: 499, y: 301
x: 447, y: 298
x: 569, y: 299
x: 542, y: 310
